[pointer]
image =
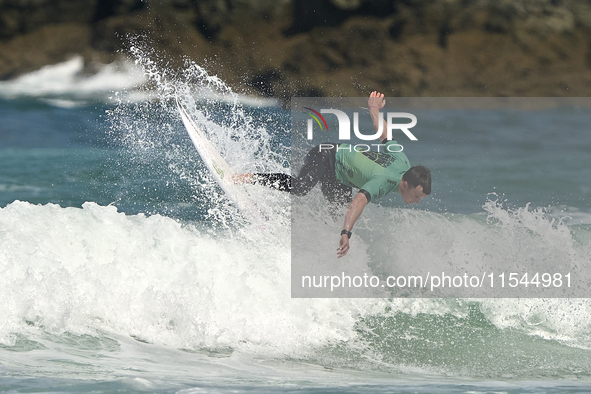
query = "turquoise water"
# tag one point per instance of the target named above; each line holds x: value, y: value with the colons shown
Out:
x: 123, y: 268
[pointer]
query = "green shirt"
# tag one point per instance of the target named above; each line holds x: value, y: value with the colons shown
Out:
x: 376, y: 173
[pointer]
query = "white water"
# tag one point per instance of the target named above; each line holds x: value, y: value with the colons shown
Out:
x: 70, y: 85
x: 90, y: 270
x: 70, y: 80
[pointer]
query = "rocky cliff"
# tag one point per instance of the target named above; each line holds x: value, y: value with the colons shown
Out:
x: 283, y: 48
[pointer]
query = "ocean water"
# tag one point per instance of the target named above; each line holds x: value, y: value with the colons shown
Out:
x: 124, y: 268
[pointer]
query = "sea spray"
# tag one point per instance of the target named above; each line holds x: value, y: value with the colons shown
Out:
x: 152, y: 131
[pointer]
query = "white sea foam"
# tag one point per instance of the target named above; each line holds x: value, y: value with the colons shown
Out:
x: 65, y: 84
x: 92, y: 269
x: 69, y: 85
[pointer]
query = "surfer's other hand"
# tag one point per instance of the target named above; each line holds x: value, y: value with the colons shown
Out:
x: 343, y: 246
x: 241, y: 179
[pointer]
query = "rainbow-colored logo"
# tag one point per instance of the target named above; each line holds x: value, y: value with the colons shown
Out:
x: 315, y: 116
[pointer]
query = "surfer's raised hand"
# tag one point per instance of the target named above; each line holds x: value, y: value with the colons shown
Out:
x: 376, y: 99
x: 241, y: 179
x: 376, y: 102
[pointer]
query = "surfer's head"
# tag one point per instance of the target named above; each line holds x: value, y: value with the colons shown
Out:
x: 415, y: 184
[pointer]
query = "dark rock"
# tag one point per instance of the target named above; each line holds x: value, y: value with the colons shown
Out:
x: 108, y: 8
x: 331, y: 47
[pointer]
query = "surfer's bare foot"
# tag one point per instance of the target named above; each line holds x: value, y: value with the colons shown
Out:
x: 241, y: 179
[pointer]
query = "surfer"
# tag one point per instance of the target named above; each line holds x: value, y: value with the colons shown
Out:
x: 339, y: 168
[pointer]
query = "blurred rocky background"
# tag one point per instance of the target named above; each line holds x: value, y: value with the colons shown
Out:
x: 282, y: 48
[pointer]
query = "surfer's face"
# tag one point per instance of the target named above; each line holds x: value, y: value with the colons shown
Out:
x: 411, y: 195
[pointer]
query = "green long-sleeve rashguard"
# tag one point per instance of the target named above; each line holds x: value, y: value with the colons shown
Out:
x: 374, y: 173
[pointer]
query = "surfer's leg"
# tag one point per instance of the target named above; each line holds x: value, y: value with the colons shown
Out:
x: 333, y: 190
x: 276, y: 181
x: 285, y: 183
x: 309, y: 174
x: 317, y: 166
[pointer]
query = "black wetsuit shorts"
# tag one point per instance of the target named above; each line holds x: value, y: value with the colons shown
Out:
x: 319, y: 166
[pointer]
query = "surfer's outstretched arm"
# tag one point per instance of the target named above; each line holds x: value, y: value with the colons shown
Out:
x: 353, y: 213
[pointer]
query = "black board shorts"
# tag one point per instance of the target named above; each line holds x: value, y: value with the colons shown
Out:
x: 319, y: 166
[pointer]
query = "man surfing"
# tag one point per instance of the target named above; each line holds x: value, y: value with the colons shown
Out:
x: 339, y: 168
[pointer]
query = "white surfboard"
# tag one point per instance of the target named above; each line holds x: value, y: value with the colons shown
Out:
x: 220, y: 169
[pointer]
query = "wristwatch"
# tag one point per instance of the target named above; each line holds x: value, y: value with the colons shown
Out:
x: 347, y: 233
